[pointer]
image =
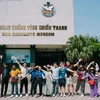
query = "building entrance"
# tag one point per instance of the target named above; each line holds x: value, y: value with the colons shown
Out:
x: 44, y: 58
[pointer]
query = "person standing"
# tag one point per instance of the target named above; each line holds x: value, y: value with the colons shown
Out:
x: 24, y: 80
x: 0, y: 67
x: 55, y: 76
x: 70, y: 79
x: 14, y: 80
x: 40, y: 77
x: 48, y: 77
x: 5, y: 79
x: 92, y: 76
x: 81, y: 82
x: 33, y: 73
x: 62, y: 78
x: 0, y: 73
x: 81, y: 73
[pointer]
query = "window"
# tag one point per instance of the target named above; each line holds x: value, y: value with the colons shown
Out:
x: 22, y: 55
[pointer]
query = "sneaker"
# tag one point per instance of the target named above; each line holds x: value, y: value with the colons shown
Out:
x: 5, y: 95
x: 38, y: 96
x: 53, y: 95
x: 16, y: 96
x: 27, y: 95
x: 21, y: 95
x: 82, y: 95
x: 57, y: 95
x: 76, y: 93
x: 31, y: 95
x: 72, y: 94
x: 64, y: 95
x: 61, y: 94
x: 41, y: 95
x: 12, y: 96
x: 1, y: 96
x: 68, y: 94
x: 35, y: 95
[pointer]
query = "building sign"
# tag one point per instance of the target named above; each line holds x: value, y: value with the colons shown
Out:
x: 36, y: 22
x: 48, y: 10
x: 30, y: 27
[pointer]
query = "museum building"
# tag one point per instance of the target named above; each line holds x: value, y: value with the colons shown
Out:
x: 35, y: 31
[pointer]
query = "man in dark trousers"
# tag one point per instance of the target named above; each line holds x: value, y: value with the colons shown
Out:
x: 0, y: 67
x: 5, y: 79
x: 39, y: 80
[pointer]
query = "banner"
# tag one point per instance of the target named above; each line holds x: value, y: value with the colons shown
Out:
x: 21, y: 55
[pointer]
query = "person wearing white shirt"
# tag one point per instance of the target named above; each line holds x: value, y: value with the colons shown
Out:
x: 48, y: 85
x: 24, y: 80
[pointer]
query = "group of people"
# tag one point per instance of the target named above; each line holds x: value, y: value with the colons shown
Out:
x: 52, y: 79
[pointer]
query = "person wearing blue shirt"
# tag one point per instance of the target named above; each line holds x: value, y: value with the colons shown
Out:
x: 40, y: 77
x: 55, y: 76
x: 33, y: 73
x: 62, y: 72
x: 62, y: 78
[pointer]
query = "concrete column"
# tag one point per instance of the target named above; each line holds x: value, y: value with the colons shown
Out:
x: 2, y: 52
x: 32, y: 54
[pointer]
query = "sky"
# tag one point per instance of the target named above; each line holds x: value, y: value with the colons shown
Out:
x: 87, y: 17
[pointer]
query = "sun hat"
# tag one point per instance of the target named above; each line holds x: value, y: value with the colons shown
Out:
x: 91, y: 68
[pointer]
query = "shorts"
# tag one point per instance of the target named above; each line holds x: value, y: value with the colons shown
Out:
x: 62, y: 82
x: 69, y: 80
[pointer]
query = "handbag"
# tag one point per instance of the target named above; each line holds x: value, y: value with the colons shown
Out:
x: 14, y: 79
x: 91, y: 82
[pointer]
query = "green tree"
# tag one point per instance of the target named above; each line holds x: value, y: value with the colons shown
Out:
x: 81, y: 47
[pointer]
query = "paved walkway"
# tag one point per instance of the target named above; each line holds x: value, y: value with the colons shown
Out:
x: 76, y: 97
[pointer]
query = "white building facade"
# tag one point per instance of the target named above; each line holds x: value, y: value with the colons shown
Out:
x: 34, y: 30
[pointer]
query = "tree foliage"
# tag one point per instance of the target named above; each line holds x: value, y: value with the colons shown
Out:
x: 82, y: 47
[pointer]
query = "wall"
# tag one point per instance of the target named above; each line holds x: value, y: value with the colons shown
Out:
x: 24, y: 14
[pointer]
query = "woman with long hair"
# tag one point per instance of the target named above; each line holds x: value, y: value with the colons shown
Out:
x: 48, y: 79
x: 70, y: 79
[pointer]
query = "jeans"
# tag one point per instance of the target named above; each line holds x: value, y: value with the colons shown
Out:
x: 14, y: 85
x: 55, y: 86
